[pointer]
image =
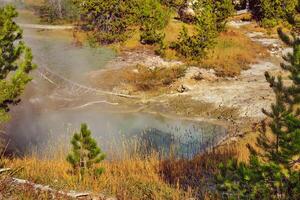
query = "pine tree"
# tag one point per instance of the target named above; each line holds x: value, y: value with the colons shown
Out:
x: 153, y: 18
x: 195, y: 46
x: 210, y: 20
x: 53, y: 10
x: 15, y: 61
x: 272, y: 172
x: 285, y: 112
x: 270, y: 12
x: 107, y: 21
x: 85, y: 153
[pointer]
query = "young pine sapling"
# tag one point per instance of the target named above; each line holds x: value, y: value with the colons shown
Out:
x: 85, y: 153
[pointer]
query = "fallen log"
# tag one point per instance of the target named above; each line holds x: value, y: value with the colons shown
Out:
x: 54, y: 193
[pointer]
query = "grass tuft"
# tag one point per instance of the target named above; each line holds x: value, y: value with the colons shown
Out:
x: 233, y: 53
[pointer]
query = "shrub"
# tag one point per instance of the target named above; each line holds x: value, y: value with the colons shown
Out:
x: 210, y: 19
x: 150, y: 36
x: 161, y: 50
x: 221, y: 9
x: 269, y: 23
x: 195, y: 46
x: 196, y: 173
x: 241, y: 4
x: 173, y: 3
x: 154, y: 78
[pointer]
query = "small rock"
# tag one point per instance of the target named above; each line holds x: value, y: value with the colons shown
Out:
x: 4, y: 170
x: 135, y: 71
x: 187, y: 13
x: 234, y: 139
x: 100, y: 197
x: 182, y: 89
x: 201, y: 74
x: 238, y: 24
x: 111, y: 198
x: 120, y: 91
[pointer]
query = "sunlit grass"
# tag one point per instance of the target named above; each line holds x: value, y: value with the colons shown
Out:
x: 140, y: 78
x: 133, y: 178
x: 233, y: 53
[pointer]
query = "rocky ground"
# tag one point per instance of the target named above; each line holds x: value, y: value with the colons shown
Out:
x: 200, y: 93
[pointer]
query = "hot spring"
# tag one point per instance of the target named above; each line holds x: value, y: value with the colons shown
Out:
x: 48, y: 116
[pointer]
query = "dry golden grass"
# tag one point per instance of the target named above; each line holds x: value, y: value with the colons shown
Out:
x: 33, y: 2
x: 133, y: 178
x: 173, y: 29
x: 195, y: 174
x: 139, y: 78
x: 8, y: 190
x: 271, y: 32
x: 233, y: 53
x: 250, y: 138
x: 242, y: 17
x: 188, y: 107
x: 132, y: 42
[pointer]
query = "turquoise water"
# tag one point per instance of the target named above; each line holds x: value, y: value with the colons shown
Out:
x: 116, y: 132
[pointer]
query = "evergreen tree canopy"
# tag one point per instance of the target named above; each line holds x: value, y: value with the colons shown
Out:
x: 85, y: 152
x: 52, y: 10
x: 272, y: 172
x: 220, y: 9
x: 210, y: 19
x: 15, y: 61
x: 153, y: 17
x: 112, y: 21
x: 195, y: 46
x: 108, y: 20
x: 269, y: 12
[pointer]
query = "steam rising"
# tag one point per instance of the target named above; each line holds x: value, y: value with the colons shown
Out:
x: 42, y: 118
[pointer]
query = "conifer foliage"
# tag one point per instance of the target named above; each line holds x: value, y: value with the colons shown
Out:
x: 272, y: 170
x: 270, y: 12
x: 210, y: 19
x: 52, y: 10
x: 196, y: 46
x: 85, y: 153
x: 108, y: 21
x: 153, y: 17
x: 15, y: 61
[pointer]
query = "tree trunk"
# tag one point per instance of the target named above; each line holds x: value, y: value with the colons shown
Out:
x: 59, y: 9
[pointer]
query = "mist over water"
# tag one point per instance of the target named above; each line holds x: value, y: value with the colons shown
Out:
x: 47, y: 115
x: 57, y: 51
x: 115, y: 131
